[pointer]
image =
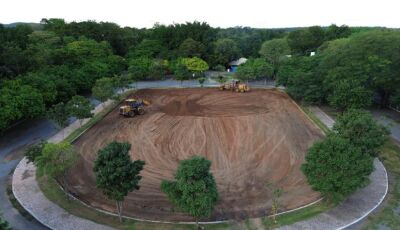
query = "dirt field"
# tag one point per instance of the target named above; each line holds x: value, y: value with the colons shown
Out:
x: 252, y: 139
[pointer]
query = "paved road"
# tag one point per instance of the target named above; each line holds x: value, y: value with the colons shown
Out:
x: 390, y: 119
x: 16, y: 138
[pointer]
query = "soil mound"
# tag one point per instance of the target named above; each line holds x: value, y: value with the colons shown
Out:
x: 252, y: 139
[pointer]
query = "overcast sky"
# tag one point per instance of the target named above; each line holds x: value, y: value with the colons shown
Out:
x: 218, y: 13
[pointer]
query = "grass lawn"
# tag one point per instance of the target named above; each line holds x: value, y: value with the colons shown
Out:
x: 296, y: 216
x: 389, y: 215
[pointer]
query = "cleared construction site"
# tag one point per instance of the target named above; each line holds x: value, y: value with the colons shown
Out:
x: 253, y: 139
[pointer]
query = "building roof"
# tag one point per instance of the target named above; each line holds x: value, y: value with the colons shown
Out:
x: 240, y: 61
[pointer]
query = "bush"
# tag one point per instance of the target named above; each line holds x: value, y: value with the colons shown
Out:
x: 34, y: 151
x: 336, y: 168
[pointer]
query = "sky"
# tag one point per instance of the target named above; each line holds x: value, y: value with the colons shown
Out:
x: 217, y: 13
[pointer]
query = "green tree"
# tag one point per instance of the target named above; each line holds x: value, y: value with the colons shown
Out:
x: 304, y: 41
x: 103, y: 89
x: 194, y: 190
x: 116, y: 174
x: 254, y: 68
x: 140, y: 67
x: 191, y: 48
x: 123, y: 81
x: 19, y: 101
x: 350, y: 94
x: 195, y: 64
x: 33, y: 151
x: 80, y: 107
x: 59, y: 114
x: 302, y: 80
x: 225, y: 51
x: 360, y: 128
x: 335, y: 32
x: 181, y: 73
x: 275, y: 52
x: 371, y: 57
x: 336, y: 168
x: 56, y: 160
x: 148, y: 48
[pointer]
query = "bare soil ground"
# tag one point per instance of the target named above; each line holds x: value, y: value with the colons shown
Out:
x: 252, y: 139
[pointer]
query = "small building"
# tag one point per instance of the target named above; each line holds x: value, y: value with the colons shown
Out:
x: 234, y: 64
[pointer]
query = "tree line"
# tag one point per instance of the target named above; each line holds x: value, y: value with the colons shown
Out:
x: 353, y: 67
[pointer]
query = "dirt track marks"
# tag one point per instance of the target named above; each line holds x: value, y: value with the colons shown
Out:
x: 251, y: 139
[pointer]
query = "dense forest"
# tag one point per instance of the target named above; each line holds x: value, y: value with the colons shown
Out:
x: 45, y: 65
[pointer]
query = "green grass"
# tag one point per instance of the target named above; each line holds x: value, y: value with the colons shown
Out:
x: 315, y: 119
x: 54, y: 193
x: 389, y: 215
x: 293, y: 217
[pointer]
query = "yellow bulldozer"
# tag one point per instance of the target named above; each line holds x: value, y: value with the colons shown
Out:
x: 133, y: 107
x: 235, y: 85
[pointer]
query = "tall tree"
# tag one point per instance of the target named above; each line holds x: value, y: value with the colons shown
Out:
x: 181, y: 73
x: 305, y: 41
x: 336, y: 168
x: 80, y: 107
x: 191, y: 48
x: 225, y: 50
x: 195, y: 64
x: 275, y: 52
x: 254, y: 68
x: 350, y: 94
x: 59, y: 114
x: 103, y: 89
x: 56, y: 160
x: 194, y: 190
x: 362, y: 130
x: 116, y: 174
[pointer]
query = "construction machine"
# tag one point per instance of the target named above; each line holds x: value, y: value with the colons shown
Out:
x: 133, y: 107
x: 235, y: 85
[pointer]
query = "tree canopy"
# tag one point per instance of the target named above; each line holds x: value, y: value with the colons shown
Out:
x: 80, y: 107
x: 194, y: 190
x: 254, y: 68
x: 352, y: 68
x: 56, y: 159
x: 275, y: 52
x: 116, y: 174
x: 362, y: 130
x: 336, y: 168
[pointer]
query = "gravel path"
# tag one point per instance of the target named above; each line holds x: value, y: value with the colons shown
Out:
x: 357, y: 206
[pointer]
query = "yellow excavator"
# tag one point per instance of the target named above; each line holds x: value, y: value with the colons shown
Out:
x: 133, y: 107
x: 235, y: 85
